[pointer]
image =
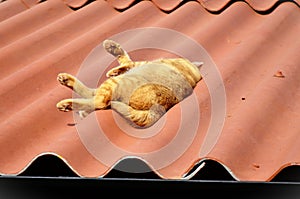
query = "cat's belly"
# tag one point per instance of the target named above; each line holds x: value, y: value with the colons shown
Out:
x: 143, y: 86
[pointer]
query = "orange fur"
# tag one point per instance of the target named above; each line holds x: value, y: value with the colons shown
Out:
x: 142, y: 92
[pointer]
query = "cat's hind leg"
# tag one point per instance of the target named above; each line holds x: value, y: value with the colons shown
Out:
x: 76, y: 85
x: 138, y: 118
x: 82, y: 106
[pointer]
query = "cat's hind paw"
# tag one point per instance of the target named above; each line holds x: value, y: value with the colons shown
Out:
x: 66, y: 79
x: 113, y: 48
x: 65, y: 105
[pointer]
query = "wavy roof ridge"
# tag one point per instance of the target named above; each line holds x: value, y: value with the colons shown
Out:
x: 214, y: 7
x: 190, y: 175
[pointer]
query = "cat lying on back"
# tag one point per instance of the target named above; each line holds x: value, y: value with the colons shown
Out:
x: 141, y: 92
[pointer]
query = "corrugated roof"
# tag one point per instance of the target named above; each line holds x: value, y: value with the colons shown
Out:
x: 253, y: 46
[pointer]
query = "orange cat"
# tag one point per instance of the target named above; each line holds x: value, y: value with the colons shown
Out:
x: 141, y: 92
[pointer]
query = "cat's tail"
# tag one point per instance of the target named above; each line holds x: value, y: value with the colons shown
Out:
x: 138, y: 118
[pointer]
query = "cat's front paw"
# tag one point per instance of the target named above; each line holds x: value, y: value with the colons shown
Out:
x: 113, y: 48
x: 65, y: 105
x: 66, y: 79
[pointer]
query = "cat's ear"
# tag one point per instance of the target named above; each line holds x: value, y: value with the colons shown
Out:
x: 198, y: 64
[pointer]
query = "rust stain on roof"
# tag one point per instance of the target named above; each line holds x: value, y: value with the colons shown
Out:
x: 260, y: 124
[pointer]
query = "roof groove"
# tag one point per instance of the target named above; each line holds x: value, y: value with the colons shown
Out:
x: 31, y: 20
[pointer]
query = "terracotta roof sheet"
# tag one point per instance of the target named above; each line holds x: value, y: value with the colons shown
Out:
x: 253, y: 126
x: 210, y: 5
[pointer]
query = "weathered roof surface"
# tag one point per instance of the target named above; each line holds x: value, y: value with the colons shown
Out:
x: 252, y: 45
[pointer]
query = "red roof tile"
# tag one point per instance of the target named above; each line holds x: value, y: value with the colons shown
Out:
x: 213, y: 5
x: 167, y: 5
x: 257, y: 5
x: 255, y: 55
x: 262, y: 5
x: 120, y: 4
x: 30, y: 3
x: 75, y: 3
